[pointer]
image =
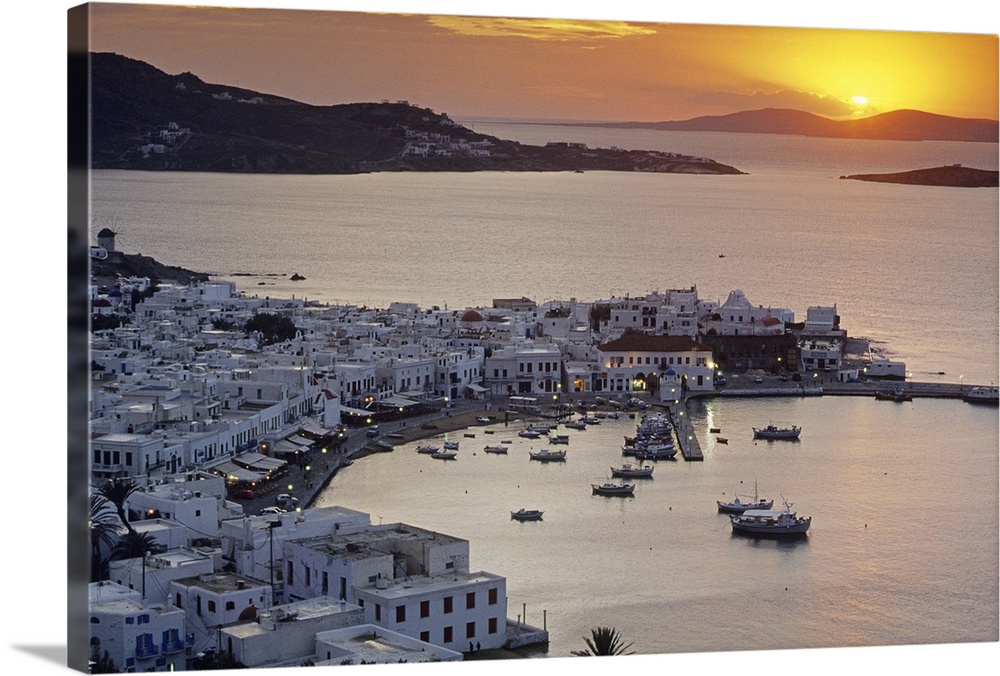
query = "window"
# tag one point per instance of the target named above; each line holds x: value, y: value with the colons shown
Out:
x: 211, y: 607
x: 492, y: 596
x: 230, y: 605
x: 492, y: 625
x: 448, y: 635
x: 470, y: 600
x: 425, y: 636
x: 447, y: 604
x: 378, y: 612
x: 291, y: 574
x: 425, y: 609
x: 400, y: 613
x: 470, y: 630
x: 177, y: 600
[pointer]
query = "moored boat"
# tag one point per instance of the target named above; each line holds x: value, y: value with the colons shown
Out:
x: 529, y: 434
x: 983, y: 395
x: 451, y: 445
x: 633, y: 471
x: 737, y: 506
x: 896, y: 394
x: 444, y: 455
x: 545, y: 455
x: 495, y: 449
x: 611, y: 488
x: 558, y: 438
x: 775, y: 432
x: 771, y: 522
x: 527, y: 515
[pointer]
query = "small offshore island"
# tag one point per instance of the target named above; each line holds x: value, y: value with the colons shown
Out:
x: 951, y: 176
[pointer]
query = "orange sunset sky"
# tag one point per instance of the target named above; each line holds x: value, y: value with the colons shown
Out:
x: 469, y: 66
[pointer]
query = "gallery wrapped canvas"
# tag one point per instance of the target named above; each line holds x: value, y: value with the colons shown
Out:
x: 456, y: 339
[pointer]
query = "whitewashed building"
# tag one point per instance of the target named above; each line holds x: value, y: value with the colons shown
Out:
x: 285, y: 635
x: 134, y: 635
x: 637, y: 363
x: 525, y: 367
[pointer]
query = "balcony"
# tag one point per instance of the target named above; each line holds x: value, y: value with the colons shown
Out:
x: 144, y: 650
x: 173, y: 647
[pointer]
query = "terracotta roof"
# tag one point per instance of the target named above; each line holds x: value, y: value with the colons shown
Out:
x: 770, y: 321
x: 472, y: 316
x: 640, y: 342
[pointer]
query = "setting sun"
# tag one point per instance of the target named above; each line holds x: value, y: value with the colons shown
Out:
x: 860, y: 100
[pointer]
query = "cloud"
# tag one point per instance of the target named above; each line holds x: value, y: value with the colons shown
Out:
x: 556, y: 30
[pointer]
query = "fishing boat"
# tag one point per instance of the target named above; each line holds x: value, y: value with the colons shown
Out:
x: 545, y: 455
x: 611, y: 488
x: 451, y: 445
x: 737, y: 506
x: 775, y: 432
x: 427, y: 449
x: 527, y: 515
x: 559, y: 439
x: 771, y: 522
x: 633, y: 471
x: 575, y: 425
x: 444, y: 455
x: 529, y: 434
x: 495, y: 449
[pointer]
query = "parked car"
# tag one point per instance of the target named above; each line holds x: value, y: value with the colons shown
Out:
x: 271, y: 510
x: 720, y: 380
x: 372, y: 431
x: 243, y: 494
x: 286, y: 501
x: 758, y: 379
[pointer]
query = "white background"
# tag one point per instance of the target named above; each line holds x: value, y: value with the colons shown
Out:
x: 34, y: 345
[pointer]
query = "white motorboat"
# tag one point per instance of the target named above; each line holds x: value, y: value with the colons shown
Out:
x: 982, y: 395
x: 495, y: 449
x: 427, y: 449
x: 527, y: 515
x: 632, y: 471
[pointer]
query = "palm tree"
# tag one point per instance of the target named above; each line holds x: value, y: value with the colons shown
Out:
x: 134, y: 545
x: 117, y: 492
x: 603, y: 641
x: 103, y: 526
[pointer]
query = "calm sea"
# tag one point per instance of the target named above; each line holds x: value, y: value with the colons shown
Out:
x: 912, y: 268
x: 904, y: 497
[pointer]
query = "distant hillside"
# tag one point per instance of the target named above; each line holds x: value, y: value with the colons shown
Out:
x: 143, y: 118
x: 955, y: 176
x: 900, y: 125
